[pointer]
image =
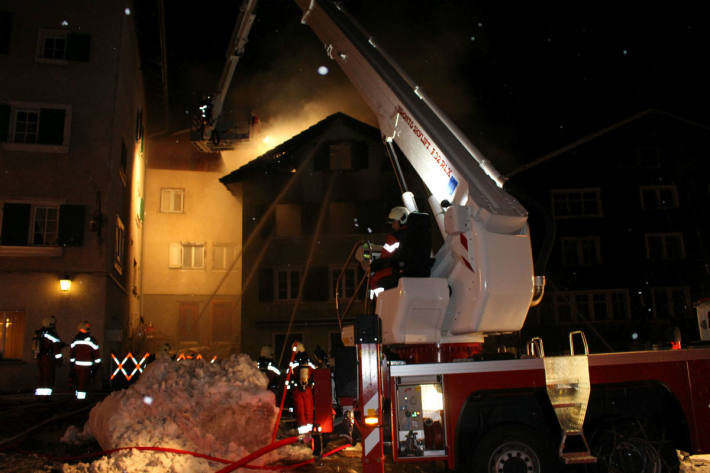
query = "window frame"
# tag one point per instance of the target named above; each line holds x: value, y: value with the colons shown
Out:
x: 570, y: 298
x: 12, y: 145
x: 579, y: 244
x: 664, y: 238
x: 291, y: 294
x: 172, y: 191
x: 668, y: 292
x: 229, y: 252
x: 33, y: 223
x: 571, y: 192
x: 45, y: 34
x: 657, y: 189
x: 193, y: 245
x: 334, y: 272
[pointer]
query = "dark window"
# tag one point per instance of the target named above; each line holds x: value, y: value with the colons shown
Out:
x: 4, y: 122
x: 266, y: 285
x: 5, y: 31
x: 79, y: 47
x: 316, y: 287
x: 341, y: 156
x: 51, y: 128
x: 16, y: 224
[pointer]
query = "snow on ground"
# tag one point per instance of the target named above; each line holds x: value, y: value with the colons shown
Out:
x: 694, y: 463
x: 220, y: 409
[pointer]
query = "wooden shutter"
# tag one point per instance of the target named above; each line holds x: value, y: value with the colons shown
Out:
x: 51, y: 126
x: 15, y: 224
x: 175, y: 256
x: 78, y: 47
x: 4, y: 121
x: 71, y: 225
x: 266, y: 285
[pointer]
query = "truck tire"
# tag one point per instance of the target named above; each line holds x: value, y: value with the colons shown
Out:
x: 511, y: 449
x: 633, y: 446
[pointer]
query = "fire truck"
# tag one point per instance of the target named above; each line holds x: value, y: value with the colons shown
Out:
x: 613, y: 412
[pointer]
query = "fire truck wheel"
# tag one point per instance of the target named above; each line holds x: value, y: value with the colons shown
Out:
x: 511, y: 449
x: 633, y: 446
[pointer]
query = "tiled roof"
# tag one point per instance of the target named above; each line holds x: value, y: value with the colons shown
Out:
x: 283, y: 158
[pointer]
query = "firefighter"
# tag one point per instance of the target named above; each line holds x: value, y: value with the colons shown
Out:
x: 85, y: 359
x: 266, y: 365
x: 383, y: 271
x: 47, y: 350
x: 301, y: 387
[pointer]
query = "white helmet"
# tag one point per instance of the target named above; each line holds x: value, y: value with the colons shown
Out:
x: 399, y: 214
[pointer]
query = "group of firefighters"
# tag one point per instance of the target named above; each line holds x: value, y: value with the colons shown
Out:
x: 84, y: 357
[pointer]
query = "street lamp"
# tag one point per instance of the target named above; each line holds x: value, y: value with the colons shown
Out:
x: 65, y: 283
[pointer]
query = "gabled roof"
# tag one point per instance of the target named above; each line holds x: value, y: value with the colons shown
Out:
x: 283, y: 158
x: 600, y: 133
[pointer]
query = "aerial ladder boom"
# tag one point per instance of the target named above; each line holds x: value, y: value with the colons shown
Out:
x: 482, y: 277
x: 211, y: 132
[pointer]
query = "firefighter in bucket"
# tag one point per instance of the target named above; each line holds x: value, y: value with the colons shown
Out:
x: 301, y: 387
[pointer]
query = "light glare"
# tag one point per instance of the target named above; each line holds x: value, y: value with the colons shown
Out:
x: 322, y: 70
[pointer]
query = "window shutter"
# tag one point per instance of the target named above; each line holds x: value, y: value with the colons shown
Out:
x: 4, y: 121
x: 15, y: 224
x: 79, y: 47
x: 175, y: 258
x: 317, y: 287
x: 71, y: 225
x: 5, y: 31
x: 266, y: 285
x: 51, y: 126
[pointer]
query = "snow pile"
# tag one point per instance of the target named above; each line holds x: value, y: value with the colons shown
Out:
x: 219, y: 409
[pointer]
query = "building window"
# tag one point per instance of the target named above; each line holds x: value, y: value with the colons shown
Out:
x: 287, y: 282
x: 172, y: 200
x: 12, y: 334
x: 188, y: 321
x: 223, y: 255
x: 45, y: 225
x: 119, y: 250
x: 340, y: 156
x: 193, y: 255
x: 5, y: 31
x: 664, y: 246
x: 670, y: 302
x: 221, y: 321
x: 288, y: 220
x: 348, y: 282
x: 658, y: 197
x: 575, y: 203
x: 60, y: 46
x: 580, y: 251
x: 26, y: 224
x: 35, y: 124
x: 597, y: 306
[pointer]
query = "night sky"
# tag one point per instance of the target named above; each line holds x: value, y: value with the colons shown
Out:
x: 520, y: 78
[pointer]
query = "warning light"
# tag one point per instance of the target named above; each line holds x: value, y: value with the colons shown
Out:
x: 371, y: 420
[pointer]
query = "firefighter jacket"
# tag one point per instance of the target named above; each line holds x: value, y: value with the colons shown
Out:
x: 385, y: 269
x: 84, y: 351
x: 46, y: 343
x: 301, y: 372
x: 267, y: 366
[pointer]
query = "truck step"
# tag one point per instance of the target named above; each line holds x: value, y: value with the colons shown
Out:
x: 575, y: 458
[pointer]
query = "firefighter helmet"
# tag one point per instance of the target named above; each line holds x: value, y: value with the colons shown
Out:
x: 84, y: 326
x: 266, y: 352
x: 300, y: 348
x: 399, y: 214
x: 50, y: 321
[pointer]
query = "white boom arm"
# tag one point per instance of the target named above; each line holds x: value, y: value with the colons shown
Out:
x: 482, y: 278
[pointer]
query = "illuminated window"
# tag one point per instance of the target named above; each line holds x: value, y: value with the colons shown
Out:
x: 580, y: 251
x: 172, y: 200
x: 664, y: 246
x: 119, y: 249
x: 658, y: 197
x: 223, y: 255
x: 581, y: 306
x: 575, y: 203
x: 12, y: 334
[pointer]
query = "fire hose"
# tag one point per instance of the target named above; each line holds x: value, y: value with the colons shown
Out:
x: 231, y: 465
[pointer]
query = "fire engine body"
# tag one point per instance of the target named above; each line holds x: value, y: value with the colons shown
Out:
x: 480, y: 415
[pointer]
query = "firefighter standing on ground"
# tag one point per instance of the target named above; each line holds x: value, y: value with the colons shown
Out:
x: 301, y: 387
x: 85, y: 359
x: 266, y: 365
x: 47, y: 348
